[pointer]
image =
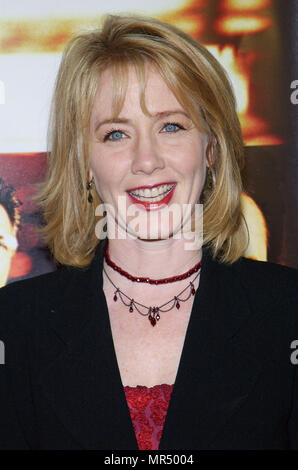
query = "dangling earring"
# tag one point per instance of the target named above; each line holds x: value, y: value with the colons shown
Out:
x: 88, y: 187
x: 210, y: 179
x: 211, y: 158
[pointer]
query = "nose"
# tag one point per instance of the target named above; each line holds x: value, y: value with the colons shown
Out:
x: 147, y: 156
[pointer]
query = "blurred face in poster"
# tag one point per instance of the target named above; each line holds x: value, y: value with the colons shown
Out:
x: 8, y: 244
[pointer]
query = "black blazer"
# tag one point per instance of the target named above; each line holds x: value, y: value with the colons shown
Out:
x: 236, y: 386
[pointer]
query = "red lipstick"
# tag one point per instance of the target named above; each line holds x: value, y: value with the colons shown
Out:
x: 151, y: 206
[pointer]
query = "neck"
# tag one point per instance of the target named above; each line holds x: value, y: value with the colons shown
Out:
x: 155, y: 258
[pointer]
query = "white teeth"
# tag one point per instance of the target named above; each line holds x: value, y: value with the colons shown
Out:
x: 154, y: 192
x: 152, y: 195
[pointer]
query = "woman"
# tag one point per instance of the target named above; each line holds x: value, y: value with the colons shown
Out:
x: 147, y: 339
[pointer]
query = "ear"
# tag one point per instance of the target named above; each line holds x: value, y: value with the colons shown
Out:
x: 89, y: 175
x: 211, y: 151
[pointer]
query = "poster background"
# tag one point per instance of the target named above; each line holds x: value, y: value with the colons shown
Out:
x: 255, y: 40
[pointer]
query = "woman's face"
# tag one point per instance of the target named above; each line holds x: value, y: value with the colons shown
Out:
x: 165, y: 150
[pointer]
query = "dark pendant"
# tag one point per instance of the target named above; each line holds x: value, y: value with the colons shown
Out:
x: 177, y: 305
x: 152, y: 320
x: 115, y: 298
x: 90, y: 198
x: 157, y: 317
x: 130, y: 309
x: 193, y: 291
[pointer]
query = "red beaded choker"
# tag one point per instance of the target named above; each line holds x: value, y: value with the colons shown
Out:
x: 165, y: 280
x: 151, y: 312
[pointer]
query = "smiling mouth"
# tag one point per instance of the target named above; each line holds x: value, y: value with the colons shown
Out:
x: 156, y: 194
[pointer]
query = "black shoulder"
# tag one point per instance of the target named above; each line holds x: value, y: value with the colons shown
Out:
x: 274, y: 283
x: 18, y: 299
x: 29, y: 285
x: 266, y: 272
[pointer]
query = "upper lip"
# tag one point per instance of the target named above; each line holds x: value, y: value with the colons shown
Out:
x: 150, y: 186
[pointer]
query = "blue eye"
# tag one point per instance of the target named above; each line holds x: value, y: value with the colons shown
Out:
x: 115, y: 135
x: 172, y: 127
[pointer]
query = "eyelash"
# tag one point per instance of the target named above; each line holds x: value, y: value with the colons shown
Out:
x: 108, y: 133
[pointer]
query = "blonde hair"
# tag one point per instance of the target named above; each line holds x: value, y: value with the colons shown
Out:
x: 201, y: 86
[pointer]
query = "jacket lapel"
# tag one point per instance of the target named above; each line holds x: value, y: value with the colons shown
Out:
x: 217, y: 369
x: 84, y: 385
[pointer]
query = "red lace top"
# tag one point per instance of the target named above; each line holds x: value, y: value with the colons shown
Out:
x: 148, y: 408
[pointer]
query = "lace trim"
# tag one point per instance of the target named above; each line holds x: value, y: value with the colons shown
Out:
x: 148, y: 408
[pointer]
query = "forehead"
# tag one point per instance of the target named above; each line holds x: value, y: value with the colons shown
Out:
x: 158, y: 97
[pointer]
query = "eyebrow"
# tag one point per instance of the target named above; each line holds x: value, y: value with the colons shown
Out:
x: 159, y: 115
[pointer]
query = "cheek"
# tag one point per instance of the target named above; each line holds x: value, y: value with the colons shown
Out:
x: 200, y: 160
x: 100, y: 170
x: 107, y: 181
x: 109, y: 169
x: 195, y: 163
x: 195, y: 168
